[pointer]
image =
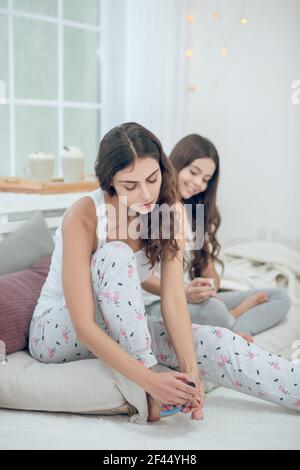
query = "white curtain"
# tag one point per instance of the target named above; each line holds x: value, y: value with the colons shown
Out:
x: 145, y: 76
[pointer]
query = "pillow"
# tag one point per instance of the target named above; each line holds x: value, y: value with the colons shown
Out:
x: 26, y: 245
x: 87, y: 386
x: 19, y: 294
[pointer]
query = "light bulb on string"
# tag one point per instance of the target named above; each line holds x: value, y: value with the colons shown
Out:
x: 189, y: 53
x: 224, y: 51
x: 190, y: 18
x: 228, y: 38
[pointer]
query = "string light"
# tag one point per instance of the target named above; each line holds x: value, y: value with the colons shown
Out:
x: 190, y: 18
x: 224, y: 51
x: 219, y: 14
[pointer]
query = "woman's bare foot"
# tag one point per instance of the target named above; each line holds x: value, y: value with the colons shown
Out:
x: 249, y: 303
x: 154, y: 408
x: 246, y: 337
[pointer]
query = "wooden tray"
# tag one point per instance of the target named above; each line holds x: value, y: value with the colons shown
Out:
x: 55, y: 186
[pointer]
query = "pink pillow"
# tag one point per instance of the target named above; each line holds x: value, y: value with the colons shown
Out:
x: 19, y: 294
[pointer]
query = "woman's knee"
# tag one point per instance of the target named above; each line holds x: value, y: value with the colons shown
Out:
x: 116, y: 247
x: 112, y: 257
x: 282, y: 299
x: 210, y: 338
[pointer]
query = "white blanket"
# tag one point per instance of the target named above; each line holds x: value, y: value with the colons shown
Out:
x: 262, y: 265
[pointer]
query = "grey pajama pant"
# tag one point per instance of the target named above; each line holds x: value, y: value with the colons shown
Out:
x: 216, y: 312
x: 223, y: 357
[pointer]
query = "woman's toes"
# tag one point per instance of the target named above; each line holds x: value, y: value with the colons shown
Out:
x: 198, y: 415
x: 246, y: 337
x: 262, y: 297
x: 250, y: 339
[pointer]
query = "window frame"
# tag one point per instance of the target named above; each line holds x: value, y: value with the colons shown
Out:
x: 60, y: 104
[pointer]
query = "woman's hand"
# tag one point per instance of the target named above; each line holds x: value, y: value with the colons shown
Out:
x: 196, y: 406
x: 171, y: 388
x: 199, y: 290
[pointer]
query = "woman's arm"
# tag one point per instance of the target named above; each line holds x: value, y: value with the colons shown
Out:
x: 152, y: 285
x: 210, y: 272
x: 78, y: 237
x: 174, y: 305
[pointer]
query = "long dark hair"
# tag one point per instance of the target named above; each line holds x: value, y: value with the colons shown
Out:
x: 187, y: 150
x: 119, y: 149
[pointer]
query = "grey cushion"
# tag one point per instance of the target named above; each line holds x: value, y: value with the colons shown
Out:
x: 26, y: 245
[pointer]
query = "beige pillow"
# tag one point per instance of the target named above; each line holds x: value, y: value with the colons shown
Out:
x: 85, y: 386
x: 90, y: 386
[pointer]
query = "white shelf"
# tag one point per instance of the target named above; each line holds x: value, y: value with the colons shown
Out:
x: 16, y: 208
x: 22, y: 202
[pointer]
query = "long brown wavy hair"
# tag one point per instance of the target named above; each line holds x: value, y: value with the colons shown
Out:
x: 187, y: 150
x: 119, y: 149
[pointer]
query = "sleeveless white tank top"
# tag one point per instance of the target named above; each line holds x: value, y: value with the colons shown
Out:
x: 52, y: 291
x: 150, y: 298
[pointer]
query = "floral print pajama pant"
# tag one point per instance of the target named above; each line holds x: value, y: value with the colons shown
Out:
x: 223, y: 357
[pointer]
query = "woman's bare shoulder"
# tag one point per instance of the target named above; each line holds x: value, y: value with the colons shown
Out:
x: 81, y: 218
x: 83, y: 210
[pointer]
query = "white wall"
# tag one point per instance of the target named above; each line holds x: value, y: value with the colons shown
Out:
x: 243, y: 104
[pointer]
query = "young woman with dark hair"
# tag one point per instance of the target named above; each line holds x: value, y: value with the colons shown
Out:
x: 91, y: 304
x: 197, y: 164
